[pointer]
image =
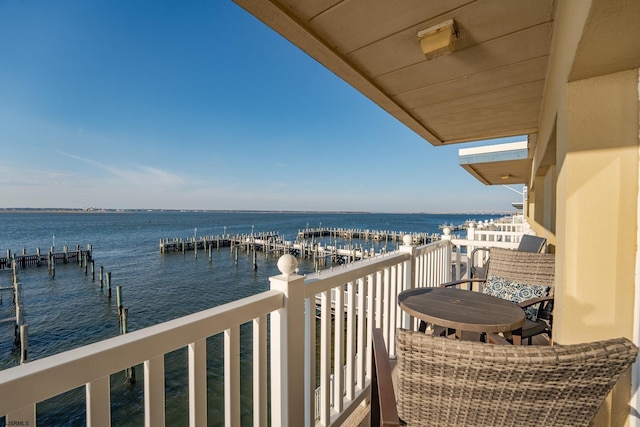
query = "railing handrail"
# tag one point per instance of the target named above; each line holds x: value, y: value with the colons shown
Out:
x: 324, y: 280
x: 484, y: 243
x: 98, y: 360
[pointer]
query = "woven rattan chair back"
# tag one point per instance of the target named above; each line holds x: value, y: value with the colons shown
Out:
x: 443, y: 382
x: 524, y: 267
x: 529, y: 243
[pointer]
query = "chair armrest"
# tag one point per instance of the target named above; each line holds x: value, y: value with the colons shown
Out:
x: 463, y: 281
x: 532, y: 301
x: 383, y: 399
x: 473, y: 267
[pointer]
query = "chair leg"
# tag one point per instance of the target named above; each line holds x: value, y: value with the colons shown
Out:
x: 423, y: 326
x: 517, y: 336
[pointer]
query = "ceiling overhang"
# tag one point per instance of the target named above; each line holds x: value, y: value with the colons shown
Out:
x: 508, y: 163
x: 490, y: 86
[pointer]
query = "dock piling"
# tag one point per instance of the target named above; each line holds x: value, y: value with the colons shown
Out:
x: 24, y: 342
x: 130, y: 373
x: 108, y: 284
x: 119, y: 300
x: 255, y: 261
x: 19, y: 322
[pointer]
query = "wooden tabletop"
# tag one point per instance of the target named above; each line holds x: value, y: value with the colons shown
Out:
x: 462, y: 310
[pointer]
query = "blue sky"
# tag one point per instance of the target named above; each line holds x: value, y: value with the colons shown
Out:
x: 198, y: 105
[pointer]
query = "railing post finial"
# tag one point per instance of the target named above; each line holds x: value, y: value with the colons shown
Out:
x: 446, y: 233
x: 287, y: 264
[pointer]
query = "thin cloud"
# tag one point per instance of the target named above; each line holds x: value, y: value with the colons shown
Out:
x: 162, y: 176
x: 142, y: 176
x: 10, y: 175
x: 83, y: 159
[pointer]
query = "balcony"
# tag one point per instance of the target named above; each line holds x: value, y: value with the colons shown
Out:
x: 289, y: 322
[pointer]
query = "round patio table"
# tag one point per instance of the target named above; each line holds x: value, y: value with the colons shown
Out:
x: 463, y: 310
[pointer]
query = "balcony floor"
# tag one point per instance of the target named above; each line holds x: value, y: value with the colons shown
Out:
x: 360, y: 418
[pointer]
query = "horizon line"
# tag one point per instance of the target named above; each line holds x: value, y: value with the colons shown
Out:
x: 124, y: 210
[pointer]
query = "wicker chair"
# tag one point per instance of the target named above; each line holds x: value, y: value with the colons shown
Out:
x: 522, y: 267
x: 444, y: 382
x: 528, y: 243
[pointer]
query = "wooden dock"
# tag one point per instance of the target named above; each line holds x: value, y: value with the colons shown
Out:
x: 205, y: 242
x: 375, y: 235
x: 39, y: 258
x: 266, y: 242
x: 322, y: 253
x: 10, y: 265
x: 20, y: 327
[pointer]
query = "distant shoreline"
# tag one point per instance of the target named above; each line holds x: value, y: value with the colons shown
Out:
x: 124, y: 211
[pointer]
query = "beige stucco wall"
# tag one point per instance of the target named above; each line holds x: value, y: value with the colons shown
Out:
x: 596, y: 223
x: 596, y: 218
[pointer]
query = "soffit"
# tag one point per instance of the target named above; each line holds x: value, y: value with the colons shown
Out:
x: 498, y: 164
x: 490, y: 86
x: 610, y: 39
x: 501, y: 172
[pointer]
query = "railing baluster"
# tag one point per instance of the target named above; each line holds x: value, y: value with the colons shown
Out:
x: 198, y: 383
x: 409, y: 267
x: 393, y: 312
x: 428, y: 259
x: 310, y: 401
x: 448, y: 275
x: 98, y: 396
x: 431, y: 259
x: 362, y: 316
x: 386, y: 285
x: 351, y: 340
x: 338, y: 350
x: 371, y: 315
x: 422, y: 273
x: 154, y: 391
x: 424, y: 259
x: 232, y: 377
x: 325, y: 358
x: 260, y: 371
x: 378, y: 285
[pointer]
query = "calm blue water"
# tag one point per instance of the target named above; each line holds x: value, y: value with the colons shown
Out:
x: 71, y: 310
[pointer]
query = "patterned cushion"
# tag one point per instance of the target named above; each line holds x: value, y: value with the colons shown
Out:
x: 516, y: 292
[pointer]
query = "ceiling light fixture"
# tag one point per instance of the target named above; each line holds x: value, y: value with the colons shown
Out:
x: 438, y: 40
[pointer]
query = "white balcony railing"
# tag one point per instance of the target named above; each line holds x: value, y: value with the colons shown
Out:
x: 347, y: 301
